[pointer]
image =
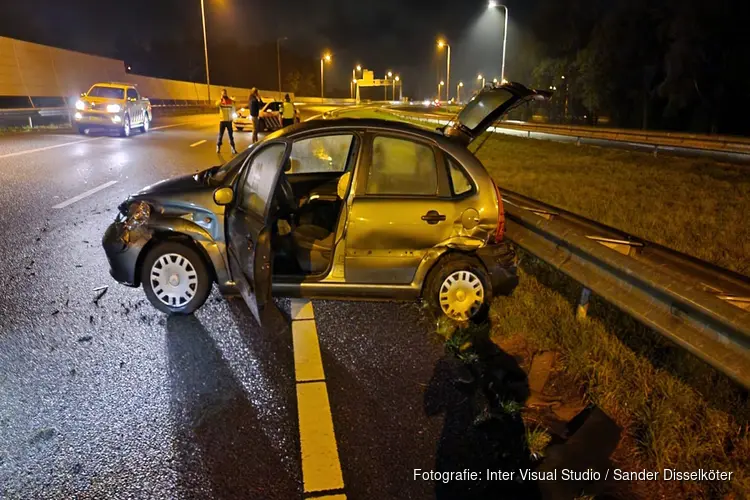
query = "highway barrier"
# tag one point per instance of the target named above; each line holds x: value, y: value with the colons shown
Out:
x: 700, y: 307
x: 655, y: 141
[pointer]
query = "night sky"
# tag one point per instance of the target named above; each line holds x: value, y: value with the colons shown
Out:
x: 385, y: 34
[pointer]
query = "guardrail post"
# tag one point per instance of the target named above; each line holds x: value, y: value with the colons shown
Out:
x: 583, y: 304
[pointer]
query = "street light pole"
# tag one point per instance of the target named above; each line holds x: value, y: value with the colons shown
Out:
x: 278, y: 59
x: 458, y: 91
x: 385, y: 87
x: 442, y: 44
x: 326, y: 58
x: 205, y: 50
x: 439, y: 87
x: 480, y: 77
x: 492, y: 5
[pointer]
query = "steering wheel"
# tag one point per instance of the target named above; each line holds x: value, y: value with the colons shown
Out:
x: 287, y: 201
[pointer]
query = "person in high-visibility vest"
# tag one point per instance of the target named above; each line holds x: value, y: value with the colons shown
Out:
x: 287, y: 112
x: 226, y: 111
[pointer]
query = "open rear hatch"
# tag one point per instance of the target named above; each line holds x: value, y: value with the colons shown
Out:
x: 487, y: 107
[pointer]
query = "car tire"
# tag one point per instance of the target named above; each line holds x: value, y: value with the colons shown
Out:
x: 125, y: 130
x: 239, y: 129
x: 186, y: 287
x: 262, y: 125
x: 459, y: 287
x: 146, y: 126
x: 81, y: 129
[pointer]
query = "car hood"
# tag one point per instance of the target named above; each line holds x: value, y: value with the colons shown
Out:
x: 179, y: 194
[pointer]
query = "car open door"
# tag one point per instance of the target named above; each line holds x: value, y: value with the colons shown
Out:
x: 249, y: 229
x: 487, y: 107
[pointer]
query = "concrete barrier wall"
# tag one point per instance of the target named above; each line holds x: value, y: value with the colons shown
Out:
x: 30, y: 69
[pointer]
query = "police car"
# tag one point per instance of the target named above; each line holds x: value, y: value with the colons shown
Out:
x: 270, y: 118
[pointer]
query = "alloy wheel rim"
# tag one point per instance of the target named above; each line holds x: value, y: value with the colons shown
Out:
x: 461, y: 295
x: 174, y: 279
x: 126, y: 127
x: 146, y: 124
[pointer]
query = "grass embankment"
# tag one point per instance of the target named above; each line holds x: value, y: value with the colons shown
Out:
x: 696, y: 206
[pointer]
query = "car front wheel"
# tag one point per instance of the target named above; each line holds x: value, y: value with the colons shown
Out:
x: 459, y: 288
x: 146, y: 124
x: 175, y: 278
x: 125, y: 130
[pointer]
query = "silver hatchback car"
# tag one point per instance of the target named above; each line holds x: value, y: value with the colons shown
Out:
x: 335, y: 209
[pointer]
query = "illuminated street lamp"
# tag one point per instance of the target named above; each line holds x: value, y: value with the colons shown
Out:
x: 480, y: 77
x: 440, y: 85
x: 492, y: 5
x: 397, y: 78
x: 326, y: 58
x: 441, y: 44
x: 385, y: 86
x: 458, y: 91
x: 354, y: 77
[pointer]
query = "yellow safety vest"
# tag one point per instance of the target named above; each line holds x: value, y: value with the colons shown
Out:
x: 287, y: 111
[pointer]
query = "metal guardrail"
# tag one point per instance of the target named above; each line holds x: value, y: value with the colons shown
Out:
x: 655, y: 141
x: 701, y: 307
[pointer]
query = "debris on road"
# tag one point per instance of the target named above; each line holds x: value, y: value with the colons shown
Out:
x: 102, y: 290
x: 55, y: 312
x: 28, y: 267
x: 85, y: 338
x: 43, y: 435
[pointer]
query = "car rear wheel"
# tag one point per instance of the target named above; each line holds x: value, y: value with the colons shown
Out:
x: 459, y: 288
x: 125, y: 130
x: 146, y: 124
x: 239, y: 129
x: 175, y: 278
x: 81, y: 130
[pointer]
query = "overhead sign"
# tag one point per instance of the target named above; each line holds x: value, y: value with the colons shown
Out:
x: 367, y: 76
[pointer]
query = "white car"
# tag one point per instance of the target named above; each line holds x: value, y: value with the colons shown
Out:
x: 270, y: 118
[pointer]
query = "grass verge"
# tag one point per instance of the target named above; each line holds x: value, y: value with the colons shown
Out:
x: 676, y: 412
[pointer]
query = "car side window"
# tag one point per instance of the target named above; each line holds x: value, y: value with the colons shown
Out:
x: 401, y: 167
x: 132, y: 94
x: 258, y: 184
x: 328, y: 153
x: 274, y: 106
x: 459, y: 179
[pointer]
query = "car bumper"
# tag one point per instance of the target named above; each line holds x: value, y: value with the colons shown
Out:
x: 243, y: 122
x: 97, y: 119
x: 500, y: 261
x: 123, y: 252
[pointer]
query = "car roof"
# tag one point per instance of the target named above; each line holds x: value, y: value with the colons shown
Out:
x: 364, y: 123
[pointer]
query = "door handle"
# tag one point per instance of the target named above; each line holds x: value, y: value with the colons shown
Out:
x: 433, y: 217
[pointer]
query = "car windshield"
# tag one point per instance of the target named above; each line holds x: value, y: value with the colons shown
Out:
x: 232, y: 166
x: 106, y: 92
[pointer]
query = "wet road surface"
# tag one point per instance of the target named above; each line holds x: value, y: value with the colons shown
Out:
x: 109, y: 398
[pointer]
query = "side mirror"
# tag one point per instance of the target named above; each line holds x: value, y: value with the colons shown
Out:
x: 223, y: 196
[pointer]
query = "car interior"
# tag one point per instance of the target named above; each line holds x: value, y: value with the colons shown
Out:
x: 308, y: 203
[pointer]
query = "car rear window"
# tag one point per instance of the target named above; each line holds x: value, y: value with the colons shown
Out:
x: 459, y: 180
x: 402, y: 167
x: 106, y: 92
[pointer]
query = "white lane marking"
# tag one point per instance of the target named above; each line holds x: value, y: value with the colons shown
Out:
x: 321, y: 467
x: 197, y: 143
x: 85, y: 194
x: 47, y: 148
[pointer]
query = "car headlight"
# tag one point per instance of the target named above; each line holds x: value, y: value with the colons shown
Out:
x: 80, y: 106
x: 113, y: 108
x: 234, y: 116
x: 138, y: 215
x: 78, y: 115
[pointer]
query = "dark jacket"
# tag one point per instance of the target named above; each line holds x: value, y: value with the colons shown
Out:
x: 255, y: 106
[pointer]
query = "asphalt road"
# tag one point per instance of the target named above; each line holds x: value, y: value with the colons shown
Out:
x: 112, y: 399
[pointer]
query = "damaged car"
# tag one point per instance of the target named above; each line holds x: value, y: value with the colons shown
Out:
x: 331, y: 209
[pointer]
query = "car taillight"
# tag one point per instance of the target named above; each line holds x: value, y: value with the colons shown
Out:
x: 500, y: 230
